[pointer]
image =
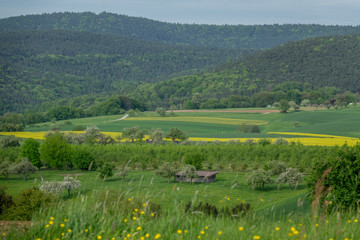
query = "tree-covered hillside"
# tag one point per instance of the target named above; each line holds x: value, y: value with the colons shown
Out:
x: 43, y: 66
x: 226, y: 36
x: 316, y: 69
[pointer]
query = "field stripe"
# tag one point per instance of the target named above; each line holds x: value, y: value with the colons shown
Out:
x: 226, y: 121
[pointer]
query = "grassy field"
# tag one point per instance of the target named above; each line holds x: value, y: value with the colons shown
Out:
x: 118, y: 209
x: 343, y: 122
x: 229, y: 189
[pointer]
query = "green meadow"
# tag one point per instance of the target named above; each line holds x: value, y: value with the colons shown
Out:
x: 341, y: 122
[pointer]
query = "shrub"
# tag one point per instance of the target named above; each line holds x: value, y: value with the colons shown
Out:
x: 6, y: 201
x: 78, y: 128
x: 195, y: 159
x: 55, y: 151
x: 10, y: 141
x: 27, y: 203
x: 106, y: 170
x: 82, y: 158
x: 30, y: 150
x: 281, y: 141
x: 335, y: 179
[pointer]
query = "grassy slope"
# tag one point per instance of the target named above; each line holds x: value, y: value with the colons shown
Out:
x: 342, y: 122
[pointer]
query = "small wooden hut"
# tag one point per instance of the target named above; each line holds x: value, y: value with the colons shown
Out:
x: 203, y: 176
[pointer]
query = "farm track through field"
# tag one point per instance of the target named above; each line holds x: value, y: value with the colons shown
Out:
x: 230, y: 111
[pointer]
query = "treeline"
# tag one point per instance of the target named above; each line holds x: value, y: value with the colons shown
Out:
x: 43, y: 66
x: 231, y: 156
x: 225, y: 36
x: 12, y: 122
x: 320, y: 70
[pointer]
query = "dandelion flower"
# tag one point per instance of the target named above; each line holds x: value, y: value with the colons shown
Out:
x: 179, y: 231
x: 206, y: 227
x: 52, y: 218
x: 125, y: 220
x: 142, y: 212
x: 219, y: 232
x: 99, y: 237
x: 199, y: 237
x: 69, y: 230
x: 147, y: 235
x: 138, y: 228
x: 129, y: 200
x: 355, y: 220
x: 51, y: 222
x: 256, y: 237
x: 65, y: 220
x: 134, y: 218
x: 202, y: 232
x: 136, y: 210
x: 86, y: 230
x: 47, y: 225
x: 142, y: 238
x: 277, y: 228
x: 128, y: 235
x: 241, y: 229
x: 62, y: 234
x: 62, y: 225
x: 157, y: 236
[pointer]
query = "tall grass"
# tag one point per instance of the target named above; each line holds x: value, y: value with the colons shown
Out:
x: 105, y: 215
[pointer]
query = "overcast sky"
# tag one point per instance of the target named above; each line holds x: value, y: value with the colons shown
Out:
x: 328, y: 12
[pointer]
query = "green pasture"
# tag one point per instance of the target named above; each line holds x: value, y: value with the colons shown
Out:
x: 229, y: 189
x: 342, y: 122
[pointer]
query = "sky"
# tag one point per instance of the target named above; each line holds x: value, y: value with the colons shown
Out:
x: 232, y: 12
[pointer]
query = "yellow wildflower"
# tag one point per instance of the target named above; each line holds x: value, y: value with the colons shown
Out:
x: 277, y: 228
x: 62, y: 225
x: 256, y: 237
x: 157, y: 236
x: 241, y: 228
x: 179, y: 231
x: 99, y: 237
x: 86, y: 230
x: 202, y: 232
x: 219, y: 232
x: 138, y: 228
x: 147, y: 235
x: 69, y: 230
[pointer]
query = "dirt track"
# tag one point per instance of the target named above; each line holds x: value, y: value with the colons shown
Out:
x: 232, y: 111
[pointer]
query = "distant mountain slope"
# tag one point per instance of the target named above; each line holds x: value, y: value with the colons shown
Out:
x: 304, y: 65
x: 226, y: 36
x: 38, y: 66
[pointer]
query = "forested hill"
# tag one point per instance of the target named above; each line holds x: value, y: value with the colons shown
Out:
x: 316, y: 69
x: 225, y: 36
x: 38, y: 66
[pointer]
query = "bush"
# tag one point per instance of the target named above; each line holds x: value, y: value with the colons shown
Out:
x: 82, y: 158
x: 10, y: 141
x: 335, y: 179
x: 78, y: 128
x: 30, y: 150
x: 211, y: 210
x: 281, y: 141
x: 6, y: 201
x: 195, y: 159
x: 27, y: 203
x: 248, y: 128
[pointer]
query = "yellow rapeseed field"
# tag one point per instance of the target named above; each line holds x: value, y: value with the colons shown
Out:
x: 311, y: 140
x: 228, y: 121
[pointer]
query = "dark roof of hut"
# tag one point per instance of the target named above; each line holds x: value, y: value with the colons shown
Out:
x: 202, y: 173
